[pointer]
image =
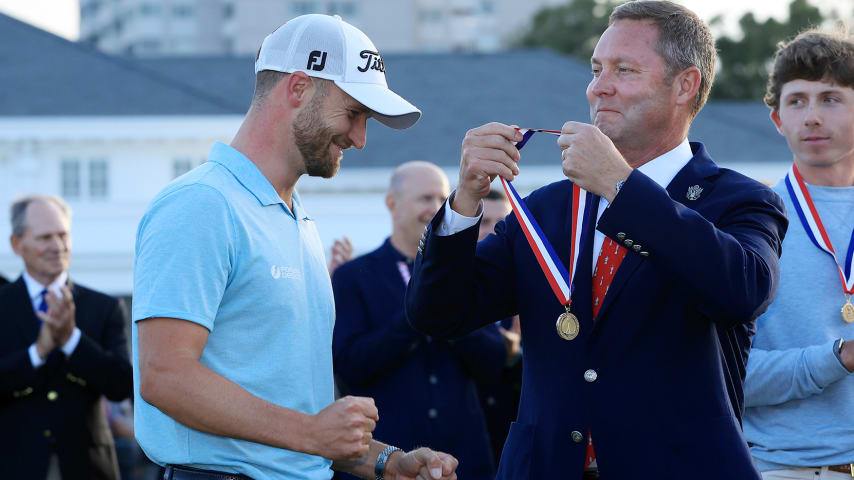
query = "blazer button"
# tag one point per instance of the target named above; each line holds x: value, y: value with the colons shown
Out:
x: 636, y: 247
x: 433, y: 379
x: 628, y: 242
x: 52, y: 396
x: 644, y: 254
x: 590, y: 375
x: 621, y: 236
x: 432, y: 413
x: 46, y: 434
x: 577, y: 437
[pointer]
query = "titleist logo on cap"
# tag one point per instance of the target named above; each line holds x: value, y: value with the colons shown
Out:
x: 375, y: 62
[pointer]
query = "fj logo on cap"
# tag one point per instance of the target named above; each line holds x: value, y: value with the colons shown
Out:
x: 375, y: 62
x: 316, y: 60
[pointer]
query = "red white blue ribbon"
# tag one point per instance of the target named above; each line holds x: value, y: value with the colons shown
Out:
x: 815, y: 228
x: 559, y: 277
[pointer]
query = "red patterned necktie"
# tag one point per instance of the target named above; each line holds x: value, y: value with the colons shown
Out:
x: 609, y: 260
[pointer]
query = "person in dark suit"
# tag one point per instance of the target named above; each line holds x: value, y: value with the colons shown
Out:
x: 679, y: 249
x: 62, y: 349
x: 499, y: 397
x: 377, y: 354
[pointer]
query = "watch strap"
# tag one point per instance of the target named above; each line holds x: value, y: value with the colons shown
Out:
x: 382, y: 458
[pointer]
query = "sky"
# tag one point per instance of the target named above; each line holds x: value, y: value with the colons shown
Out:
x: 62, y: 16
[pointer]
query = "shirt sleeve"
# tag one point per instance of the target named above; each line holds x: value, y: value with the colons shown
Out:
x: 453, y: 222
x: 184, y: 256
x: 779, y: 376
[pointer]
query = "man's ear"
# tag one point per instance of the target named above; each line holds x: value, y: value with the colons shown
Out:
x: 390, y: 202
x: 775, y: 117
x: 16, y: 242
x: 687, y: 84
x: 299, y: 88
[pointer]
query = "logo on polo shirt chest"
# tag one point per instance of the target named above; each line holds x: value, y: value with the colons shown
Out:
x: 374, y: 61
x: 281, y: 271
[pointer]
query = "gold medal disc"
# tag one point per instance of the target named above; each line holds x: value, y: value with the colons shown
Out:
x: 567, y: 326
x: 848, y: 312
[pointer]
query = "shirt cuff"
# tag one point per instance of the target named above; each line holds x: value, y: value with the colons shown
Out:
x: 453, y: 222
x: 35, y: 359
x: 823, y: 364
x: 72, y: 342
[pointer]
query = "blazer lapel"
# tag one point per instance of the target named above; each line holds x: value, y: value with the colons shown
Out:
x: 689, y: 187
x: 26, y: 322
x: 582, y: 284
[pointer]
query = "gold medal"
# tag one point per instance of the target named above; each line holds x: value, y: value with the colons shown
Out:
x: 567, y: 325
x: 848, y: 311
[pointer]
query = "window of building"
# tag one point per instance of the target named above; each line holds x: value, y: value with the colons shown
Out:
x: 147, y: 46
x: 345, y: 9
x: 70, y: 178
x: 181, y: 166
x: 99, y: 179
x: 430, y: 16
x: 302, y: 8
x: 182, y: 11
x: 149, y: 10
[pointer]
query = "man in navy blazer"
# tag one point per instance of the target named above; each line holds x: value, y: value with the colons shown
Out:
x: 424, y: 388
x: 653, y: 382
x: 62, y: 349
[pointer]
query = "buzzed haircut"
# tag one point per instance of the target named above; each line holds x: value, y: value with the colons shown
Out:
x: 813, y: 55
x: 18, y: 210
x: 403, y: 171
x: 684, y: 40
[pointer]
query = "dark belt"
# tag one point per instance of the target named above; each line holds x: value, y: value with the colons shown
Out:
x: 847, y: 468
x: 188, y: 473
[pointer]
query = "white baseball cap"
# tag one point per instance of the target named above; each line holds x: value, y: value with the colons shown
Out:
x: 326, y: 46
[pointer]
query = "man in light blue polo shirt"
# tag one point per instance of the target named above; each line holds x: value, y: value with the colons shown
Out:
x: 233, y: 308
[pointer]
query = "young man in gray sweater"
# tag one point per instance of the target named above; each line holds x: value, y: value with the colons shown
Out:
x: 799, y: 418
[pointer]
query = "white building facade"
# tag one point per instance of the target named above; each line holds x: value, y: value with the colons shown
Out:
x: 237, y: 27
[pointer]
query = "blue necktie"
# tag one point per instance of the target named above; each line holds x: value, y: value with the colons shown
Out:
x: 42, y: 302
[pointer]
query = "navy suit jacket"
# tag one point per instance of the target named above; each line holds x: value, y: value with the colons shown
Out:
x: 661, y: 404
x: 424, y: 388
x: 58, y: 406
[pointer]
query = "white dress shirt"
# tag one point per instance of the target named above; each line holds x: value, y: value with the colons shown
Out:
x: 34, y: 289
x: 661, y: 170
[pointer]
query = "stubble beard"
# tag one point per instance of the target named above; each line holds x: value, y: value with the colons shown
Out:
x: 313, y: 139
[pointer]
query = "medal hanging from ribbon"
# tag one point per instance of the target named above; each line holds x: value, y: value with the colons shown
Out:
x: 559, y: 277
x: 816, y: 232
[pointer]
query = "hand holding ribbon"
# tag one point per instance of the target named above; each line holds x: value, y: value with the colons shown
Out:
x: 559, y: 277
x: 488, y: 151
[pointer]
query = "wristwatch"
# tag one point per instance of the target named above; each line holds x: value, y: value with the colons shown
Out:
x: 837, y: 350
x: 379, y: 469
x: 620, y: 185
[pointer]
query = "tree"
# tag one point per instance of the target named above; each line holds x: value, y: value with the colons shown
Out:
x: 573, y: 29
x: 745, y: 63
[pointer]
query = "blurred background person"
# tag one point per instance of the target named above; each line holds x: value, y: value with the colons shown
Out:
x: 799, y: 418
x: 62, y: 349
x: 499, y: 397
x: 377, y: 354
